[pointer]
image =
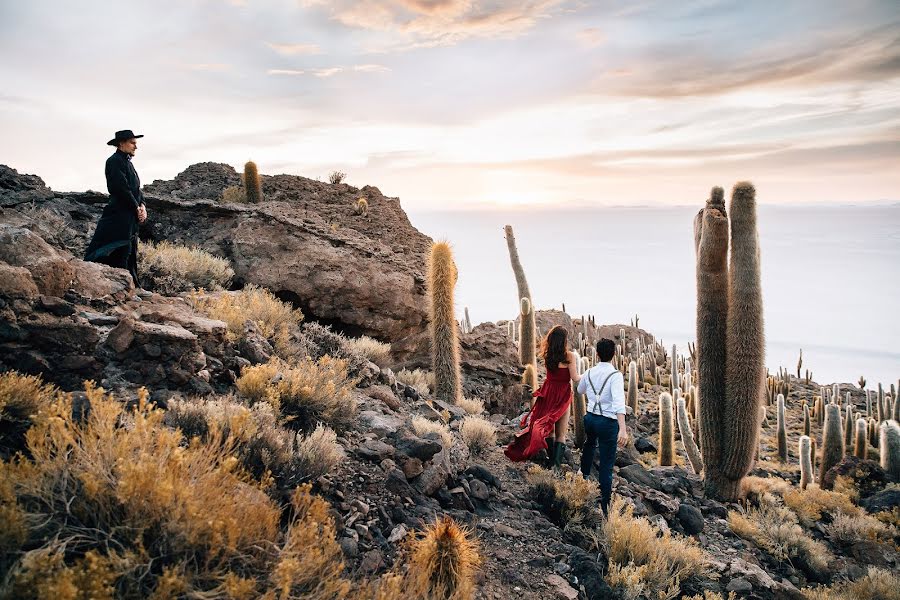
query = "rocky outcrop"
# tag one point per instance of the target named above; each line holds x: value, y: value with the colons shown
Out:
x: 361, y: 274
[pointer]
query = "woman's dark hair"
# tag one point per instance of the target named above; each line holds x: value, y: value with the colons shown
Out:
x: 554, y: 347
x: 606, y: 349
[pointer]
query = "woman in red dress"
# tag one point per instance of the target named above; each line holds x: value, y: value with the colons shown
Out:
x: 549, y: 414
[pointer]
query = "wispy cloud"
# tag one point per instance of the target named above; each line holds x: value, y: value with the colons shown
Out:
x: 284, y: 72
x: 294, y: 49
x: 214, y: 67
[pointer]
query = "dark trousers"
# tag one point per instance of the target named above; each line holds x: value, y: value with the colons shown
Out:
x: 124, y: 257
x: 602, y: 432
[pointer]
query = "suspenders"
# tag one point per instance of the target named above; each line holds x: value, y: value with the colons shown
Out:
x: 596, y: 393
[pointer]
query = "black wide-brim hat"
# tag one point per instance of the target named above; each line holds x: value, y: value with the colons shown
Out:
x: 121, y: 136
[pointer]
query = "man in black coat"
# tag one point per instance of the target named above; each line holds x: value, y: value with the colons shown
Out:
x: 115, y: 239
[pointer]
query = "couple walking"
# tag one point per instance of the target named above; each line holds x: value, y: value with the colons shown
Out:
x: 604, y: 422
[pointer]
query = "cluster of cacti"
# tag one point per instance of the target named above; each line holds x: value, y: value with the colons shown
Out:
x: 832, y: 440
x: 252, y: 184
x: 666, y: 431
x: 730, y: 342
x: 441, y: 282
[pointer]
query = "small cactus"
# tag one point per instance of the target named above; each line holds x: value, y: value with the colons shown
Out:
x: 806, y: 423
x: 861, y: 443
x: 443, y: 562
x: 832, y: 440
x: 806, y: 468
x: 848, y: 426
x: 633, y: 387
x: 442, y: 277
x: 782, y: 431
x: 362, y: 207
x: 889, y: 448
x: 666, y: 431
x: 252, y: 184
x: 687, y: 437
x: 862, y: 382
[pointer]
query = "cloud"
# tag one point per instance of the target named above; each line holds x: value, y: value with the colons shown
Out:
x: 284, y: 72
x: 371, y: 68
x: 329, y: 72
x: 591, y: 37
x: 294, y: 49
x: 213, y: 67
x: 429, y: 23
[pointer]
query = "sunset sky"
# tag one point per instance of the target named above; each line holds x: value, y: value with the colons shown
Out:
x: 466, y: 103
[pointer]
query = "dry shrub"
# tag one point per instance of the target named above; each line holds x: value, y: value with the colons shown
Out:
x: 421, y: 381
x: 336, y: 177
x: 811, y: 503
x: 478, y: 434
x: 757, y: 486
x: 421, y: 426
x: 570, y: 499
x: 275, y: 319
x: 472, y: 406
x: 171, y: 269
x: 847, y: 530
x: 319, y: 340
x: 708, y: 595
x: 774, y: 528
x: 443, y: 562
x: 21, y: 398
x: 877, y: 584
x: 373, y: 350
x: 645, y: 560
x: 234, y: 194
x: 304, y: 392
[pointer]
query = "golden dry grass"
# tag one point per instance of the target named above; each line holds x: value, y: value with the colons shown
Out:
x: 171, y: 269
x: 774, y: 528
x: 472, y: 406
x: 373, y: 350
x: 478, y: 434
x: 568, y: 499
x: 274, y: 318
x: 644, y: 560
x: 234, y: 194
x: 21, y: 398
x: 846, y: 529
x: 421, y: 381
x: 421, y: 426
x: 304, y: 392
x: 877, y: 584
x: 811, y: 503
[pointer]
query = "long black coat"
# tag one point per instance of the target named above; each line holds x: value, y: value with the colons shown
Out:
x: 118, y: 226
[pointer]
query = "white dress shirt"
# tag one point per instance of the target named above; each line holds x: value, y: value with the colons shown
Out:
x: 612, y: 397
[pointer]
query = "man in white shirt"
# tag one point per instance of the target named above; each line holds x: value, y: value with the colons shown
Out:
x: 604, y: 422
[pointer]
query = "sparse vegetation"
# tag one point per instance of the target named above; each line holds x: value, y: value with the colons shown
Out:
x: 811, y: 503
x: 421, y: 381
x: 21, y: 398
x: 304, y: 392
x: 171, y: 269
x: 234, y: 194
x: 478, y: 434
x: 472, y: 406
x: 565, y: 499
x: 846, y: 529
x: 422, y: 426
x: 336, y: 177
x: 371, y: 349
x: 876, y: 584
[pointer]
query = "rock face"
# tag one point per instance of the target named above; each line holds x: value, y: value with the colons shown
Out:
x: 361, y: 274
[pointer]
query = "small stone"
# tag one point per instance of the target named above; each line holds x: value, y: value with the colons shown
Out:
x: 691, y: 519
x: 739, y: 585
x: 350, y: 547
x: 397, y: 533
x: 412, y: 468
x: 561, y: 587
x: 479, y: 490
x: 361, y: 506
x: 506, y: 530
x: 372, y: 561
x: 375, y: 450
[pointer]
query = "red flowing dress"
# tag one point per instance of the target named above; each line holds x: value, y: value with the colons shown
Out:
x: 553, y: 399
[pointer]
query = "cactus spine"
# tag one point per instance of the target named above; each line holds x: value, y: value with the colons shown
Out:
x: 889, y: 447
x: 687, y: 437
x: 632, y: 387
x: 832, y: 440
x: 252, y: 184
x: 782, y: 431
x: 730, y: 343
x: 666, y: 431
x: 861, y: 443
x: 806, y: 469
x: 442, y: 276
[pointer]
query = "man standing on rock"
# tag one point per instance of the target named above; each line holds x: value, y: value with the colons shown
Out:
x: 115, y: 239
x: 604, y: 422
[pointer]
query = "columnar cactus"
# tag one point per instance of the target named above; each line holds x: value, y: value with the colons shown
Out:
x: 579, y: 407
x: 832, y: 440
x: 442, y: 277
x: 861, y: 442
x: 687, y: 437
x: 806, y: 469
x: 526, y: 333
x: 529, y: 377
x: 782, y: 431
x: 666, y: 431
x: 252, y: 184
x: 730, y: 341
x: 518, y: 271
x: 633, y: 387
x: 889, y: 447
x: 848, y: 426
x: 806, y: 419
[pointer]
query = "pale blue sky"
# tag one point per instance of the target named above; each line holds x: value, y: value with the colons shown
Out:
x: 464, y: 103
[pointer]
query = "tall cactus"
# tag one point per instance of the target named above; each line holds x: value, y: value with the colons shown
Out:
x: 633, y: 387
x: 848, y: 426
x: 526, y: 333
x: 442, y: 277
x: 832, y: 440
x: 579, y: 407
x: 730, y: 342
x: 806, y: 469
x: 806, y: 423
x: 889, y: 448
x: 861, y: 441
x: 782, y: 430
x: 666, y: 431
x: 687, y: 437
x: 252, y: 184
